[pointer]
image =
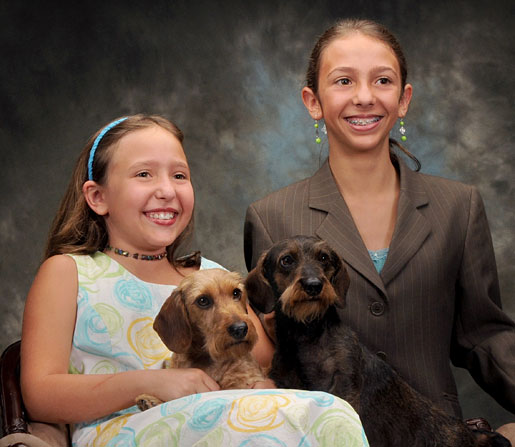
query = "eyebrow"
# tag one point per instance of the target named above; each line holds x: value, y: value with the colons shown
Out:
x: 379, y: 68
x: 384, y: 68
x: 143, y: 163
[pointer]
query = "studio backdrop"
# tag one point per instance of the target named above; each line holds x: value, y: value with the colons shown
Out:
x: 229, y: 73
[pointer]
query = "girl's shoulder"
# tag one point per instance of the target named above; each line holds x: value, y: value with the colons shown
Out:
x: 208, y: 264
x: 97, y: 265
x: 434, y: 186
x: 93, y: 263
x: 440, y: 180
x: 445, y: 187
x: 58, y: 264
x: 56, y: 279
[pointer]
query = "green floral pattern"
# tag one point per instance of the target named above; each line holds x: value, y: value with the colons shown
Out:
x: 113, y: 333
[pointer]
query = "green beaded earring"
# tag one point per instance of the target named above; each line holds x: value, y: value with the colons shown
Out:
x: 317, y: 135
x: 402, y: 130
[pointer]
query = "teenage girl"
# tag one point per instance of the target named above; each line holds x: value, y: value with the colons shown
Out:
x: 88, y: 347
x: 418, y: 249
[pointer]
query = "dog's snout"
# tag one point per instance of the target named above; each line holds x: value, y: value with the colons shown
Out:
x: 238, y: 330
x: 312, y: 286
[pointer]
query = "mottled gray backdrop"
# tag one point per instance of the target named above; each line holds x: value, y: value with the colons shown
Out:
x: 229, y: 73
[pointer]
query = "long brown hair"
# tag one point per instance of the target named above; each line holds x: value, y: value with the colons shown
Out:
x: 76, y: 227
x: 369, y: 28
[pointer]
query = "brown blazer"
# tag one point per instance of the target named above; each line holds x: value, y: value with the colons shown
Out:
x: 437, y: 297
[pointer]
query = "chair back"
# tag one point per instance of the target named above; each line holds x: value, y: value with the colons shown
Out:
x: 13, y: 412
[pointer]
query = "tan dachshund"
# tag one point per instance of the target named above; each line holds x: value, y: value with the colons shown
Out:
x: 205, y: 324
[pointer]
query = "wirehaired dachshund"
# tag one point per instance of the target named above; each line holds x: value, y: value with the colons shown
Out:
x: 305, y: 282
x: 205, y: 324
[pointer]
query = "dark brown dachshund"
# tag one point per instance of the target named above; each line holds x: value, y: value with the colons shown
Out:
x: 305, y: 282
x: 205, y: 324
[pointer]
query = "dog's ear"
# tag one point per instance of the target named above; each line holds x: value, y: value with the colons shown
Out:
x: 172, y: 324
x: 340, y: 279
x: 259, y: 291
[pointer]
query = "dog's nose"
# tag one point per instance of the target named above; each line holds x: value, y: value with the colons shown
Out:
x: 312, y: 286
x: 238, y: 331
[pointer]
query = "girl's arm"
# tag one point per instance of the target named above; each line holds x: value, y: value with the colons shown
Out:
x: 51, y: 394
x: 263, y: 350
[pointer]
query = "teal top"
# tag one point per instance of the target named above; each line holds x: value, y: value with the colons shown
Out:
x: 378, y: 258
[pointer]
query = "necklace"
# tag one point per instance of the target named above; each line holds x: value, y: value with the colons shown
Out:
x: 121, y: 252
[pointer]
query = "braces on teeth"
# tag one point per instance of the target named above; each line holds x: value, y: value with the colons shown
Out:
x: 363, y: 122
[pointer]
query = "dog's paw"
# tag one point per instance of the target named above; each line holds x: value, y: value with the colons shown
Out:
x: 145, y: 401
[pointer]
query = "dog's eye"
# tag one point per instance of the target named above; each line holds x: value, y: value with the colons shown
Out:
x: 236, y: 294
x: 323, y: 257
x: 203, y: 301
x: 287, y: 261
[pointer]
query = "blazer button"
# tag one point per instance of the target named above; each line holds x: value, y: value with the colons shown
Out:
x: 377, y: 308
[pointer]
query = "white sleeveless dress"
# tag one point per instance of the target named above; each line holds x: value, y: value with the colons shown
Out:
x: 113, y: 333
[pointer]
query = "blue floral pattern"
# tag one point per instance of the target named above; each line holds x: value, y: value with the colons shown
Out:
x: 113, y: 333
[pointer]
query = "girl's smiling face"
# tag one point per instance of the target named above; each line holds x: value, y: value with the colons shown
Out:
x: 148, y: 198
x: 360, y: 94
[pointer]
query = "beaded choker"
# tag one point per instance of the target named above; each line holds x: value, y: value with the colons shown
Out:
x: 137, y: 255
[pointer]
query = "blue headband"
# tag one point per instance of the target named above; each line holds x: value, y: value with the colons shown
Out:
x: 95, y: 144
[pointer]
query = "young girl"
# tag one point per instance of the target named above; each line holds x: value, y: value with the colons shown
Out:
x: 418, y: 249
x: 88, y: 347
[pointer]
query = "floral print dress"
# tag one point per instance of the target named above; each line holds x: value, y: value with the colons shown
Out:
x: 113, y: 333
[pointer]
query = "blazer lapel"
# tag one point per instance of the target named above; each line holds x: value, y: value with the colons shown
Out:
x: 411, y: 228
x: 338, y: 228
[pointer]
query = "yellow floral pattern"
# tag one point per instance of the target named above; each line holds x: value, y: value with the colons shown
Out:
x: 113, y: 333
x: 107, y: 431
x: 257, y: 413
x: 145, y: 343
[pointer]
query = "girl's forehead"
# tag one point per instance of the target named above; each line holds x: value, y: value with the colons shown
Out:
x: 153, y: 141
x: 358, y: 49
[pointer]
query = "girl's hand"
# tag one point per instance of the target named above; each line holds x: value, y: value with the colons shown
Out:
x: 51, y: 394
x: 174, y: 383
x: 264, y: 349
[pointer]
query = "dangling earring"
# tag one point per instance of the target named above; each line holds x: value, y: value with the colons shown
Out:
x: 402, y: 130
x: 317, y: 134
x: 318, y: 140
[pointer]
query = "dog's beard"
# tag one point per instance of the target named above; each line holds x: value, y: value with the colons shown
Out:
x: 305, y: 308
x: 226, y: 347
